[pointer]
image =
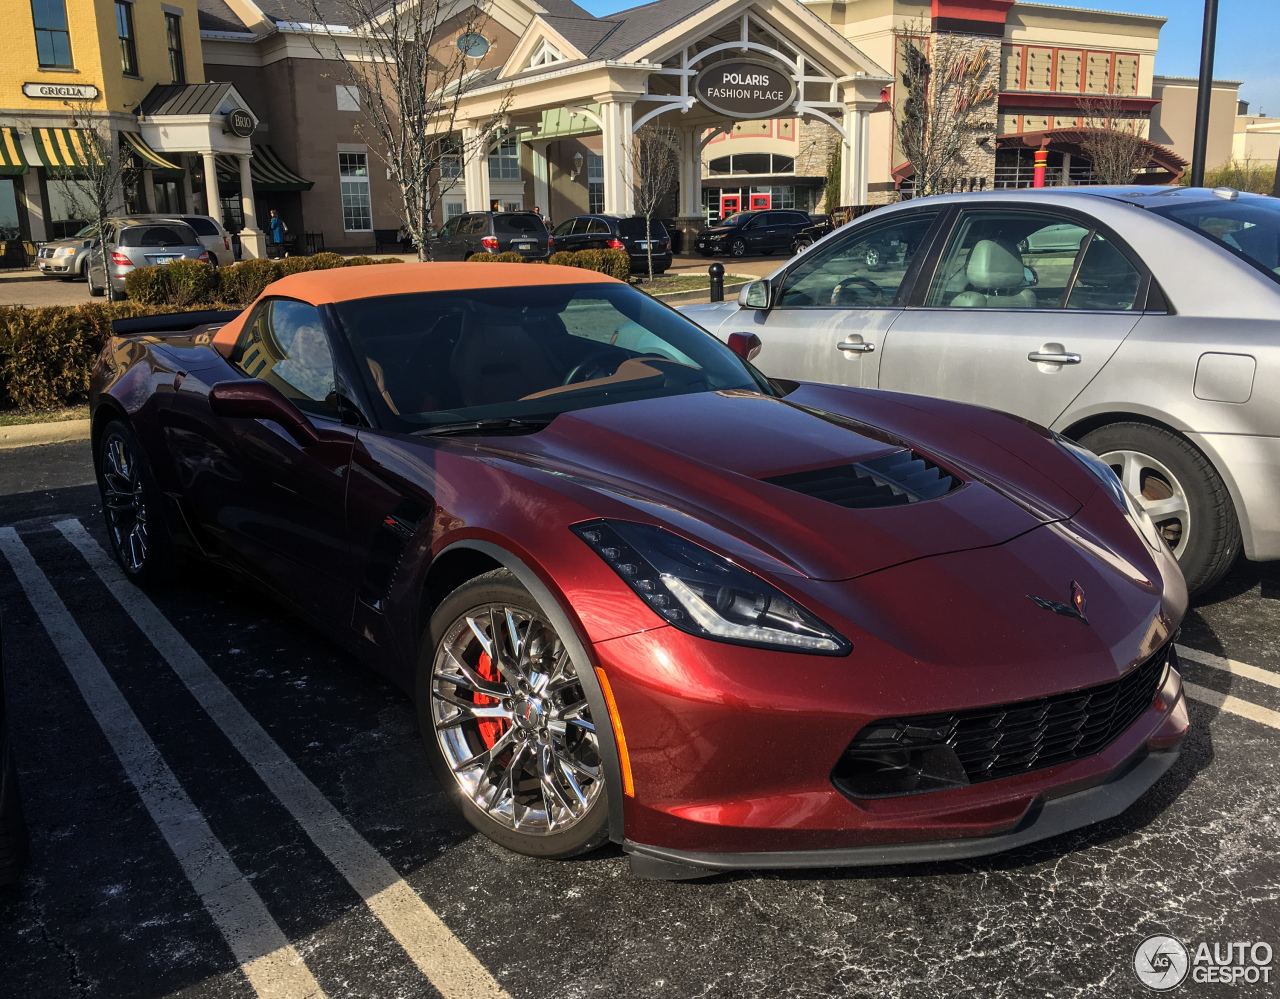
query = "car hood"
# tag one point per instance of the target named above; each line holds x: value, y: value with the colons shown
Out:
x: 696, y: 463
x: 720, y: 230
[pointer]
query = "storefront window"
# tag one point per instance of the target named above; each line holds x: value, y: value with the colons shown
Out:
x: 8, y: 209
x: 70, y: 204
x: 504, y: 162
x: 780, y: 197
x: 173, y: 31
x: 128, y: 47
x: 53, y: 40
x: 357, y: 206
x: 595, y: 184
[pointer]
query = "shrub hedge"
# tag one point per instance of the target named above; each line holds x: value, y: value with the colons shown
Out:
x: 189, y: 282
x: 47, y: 354
x: 615, y: 263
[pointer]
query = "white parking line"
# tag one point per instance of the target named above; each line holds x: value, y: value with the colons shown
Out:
x: 1234, y: 705
x: 1231, y: 666
x: 266, y: 957
x: 441, y: 956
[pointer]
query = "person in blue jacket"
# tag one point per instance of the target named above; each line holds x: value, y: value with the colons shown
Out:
x: 278, y: 229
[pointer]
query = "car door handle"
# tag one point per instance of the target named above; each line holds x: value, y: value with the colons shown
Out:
x: 856, y: 346
x: 1042, y: 358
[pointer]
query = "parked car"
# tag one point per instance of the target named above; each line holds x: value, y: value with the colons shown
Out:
x: 638, y: 590
x: 1141, y: 321
x: 819, y: 226
x: 618, y: 232
x: 68, y: 258
x: 133, y: 242
x: 491, y: 232
x: 213, y: 237
x: 13, y: 829
x: 753, y: 232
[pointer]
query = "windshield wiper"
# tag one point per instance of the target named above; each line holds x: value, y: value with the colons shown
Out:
x: 499, y: 425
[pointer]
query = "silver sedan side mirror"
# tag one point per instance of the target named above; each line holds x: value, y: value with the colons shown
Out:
x: 754, y: 296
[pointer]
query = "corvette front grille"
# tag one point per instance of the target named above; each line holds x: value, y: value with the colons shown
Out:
x: 892, y: 479
x: 928, y: 752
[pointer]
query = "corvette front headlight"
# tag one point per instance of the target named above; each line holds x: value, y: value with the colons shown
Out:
x: 1141, y: 520
x: 705, y: 594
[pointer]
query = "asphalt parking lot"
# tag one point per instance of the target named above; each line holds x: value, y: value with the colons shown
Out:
x: 222, y: 803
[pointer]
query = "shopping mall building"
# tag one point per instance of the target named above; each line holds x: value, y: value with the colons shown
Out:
x: 764, y: 96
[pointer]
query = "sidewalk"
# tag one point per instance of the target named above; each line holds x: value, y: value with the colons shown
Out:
x: 28, y: 287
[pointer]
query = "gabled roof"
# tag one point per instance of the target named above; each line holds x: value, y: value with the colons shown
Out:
x: 216, y: 15
x: 184, y: 98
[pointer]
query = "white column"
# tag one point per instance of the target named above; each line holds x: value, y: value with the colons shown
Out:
x: 611, y: 152
x: 628, y: 178
x: 690, y: 173
x: 251, y: 237
x: 541, y: 176
x: 861, y: 186
x: 188, y: 198
x: 212, y: 197
x: 850, y: 150
x: 475, y: 169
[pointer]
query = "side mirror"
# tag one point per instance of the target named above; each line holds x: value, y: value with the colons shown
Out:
x: 253, y: 399
x: 745, y: 345
x: 433, y: 234
x: 754, y: 296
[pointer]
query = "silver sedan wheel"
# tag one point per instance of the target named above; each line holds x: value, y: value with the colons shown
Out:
x: 512, y: 720
x: 1159, y: 493
x: 126, y: 509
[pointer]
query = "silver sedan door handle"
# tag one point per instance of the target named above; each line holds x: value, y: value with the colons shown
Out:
x: 856, y: 346
x: 1042, y: 358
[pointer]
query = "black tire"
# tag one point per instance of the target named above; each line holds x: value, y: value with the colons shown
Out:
x: 587, y: 832
x: 94, y: 290
x: 1212, y: 541
x: 738, y: 248
x: 800, y: 244
x: 13, y: 827
x: 146, y: 556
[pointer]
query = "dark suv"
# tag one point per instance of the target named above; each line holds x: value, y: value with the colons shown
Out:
x: 491, y: 232
x: 617, y: 232
x: 753, y: 232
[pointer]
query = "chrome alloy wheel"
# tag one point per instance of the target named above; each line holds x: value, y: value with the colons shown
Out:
x: 122, y: 495
x: 512, y: 720
x: 1159, y: 493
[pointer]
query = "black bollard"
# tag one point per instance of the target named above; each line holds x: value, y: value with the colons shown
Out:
x: 717, y: 282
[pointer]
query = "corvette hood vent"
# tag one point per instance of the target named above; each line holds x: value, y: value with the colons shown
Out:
x: 893, y: 479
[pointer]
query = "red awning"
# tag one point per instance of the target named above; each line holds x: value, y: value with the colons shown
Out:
x: 1067, y: 140
x: 1055, y: 103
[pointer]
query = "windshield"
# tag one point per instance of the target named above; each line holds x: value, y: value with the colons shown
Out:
x: 738, y: 218
x: 634, y: 228
x: 87, y: 231
x: 1250, y: 227
x: 439, y: 358
x: 506, y: 225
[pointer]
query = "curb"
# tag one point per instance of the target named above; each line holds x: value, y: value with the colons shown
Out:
x: 30, y: 434
x: 730, y: 292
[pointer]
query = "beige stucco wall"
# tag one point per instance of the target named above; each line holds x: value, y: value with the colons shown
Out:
x: 1173, y: 122
x: 1256, y: 140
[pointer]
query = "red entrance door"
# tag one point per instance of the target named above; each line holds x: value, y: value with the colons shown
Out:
x: 730, y: 203
x: 761, y: 202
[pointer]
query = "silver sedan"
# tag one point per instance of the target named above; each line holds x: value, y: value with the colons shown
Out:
x: 139, y: 242
x: 1143, y: 322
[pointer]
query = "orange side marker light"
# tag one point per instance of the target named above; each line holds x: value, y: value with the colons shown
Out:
x: 624, y: 758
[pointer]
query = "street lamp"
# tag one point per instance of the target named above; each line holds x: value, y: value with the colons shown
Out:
x: 1204, y: 93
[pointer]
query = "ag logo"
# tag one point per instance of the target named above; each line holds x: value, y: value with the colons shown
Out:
x: 1161, y: 963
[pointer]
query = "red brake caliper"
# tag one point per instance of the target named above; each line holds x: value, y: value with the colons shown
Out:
x: 490, y: 728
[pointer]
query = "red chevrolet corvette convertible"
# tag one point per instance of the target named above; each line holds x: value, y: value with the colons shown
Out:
x: 638, y: 591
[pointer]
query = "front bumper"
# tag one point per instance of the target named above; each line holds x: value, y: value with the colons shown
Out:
x: 55, y: 265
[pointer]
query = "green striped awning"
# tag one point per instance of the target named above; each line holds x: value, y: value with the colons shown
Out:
x: 12, y: 161
x: 267, y: 170
x: 148, y: 155
x: 66, y: 150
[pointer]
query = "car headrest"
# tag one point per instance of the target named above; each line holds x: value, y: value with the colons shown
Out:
x: 994, y: 266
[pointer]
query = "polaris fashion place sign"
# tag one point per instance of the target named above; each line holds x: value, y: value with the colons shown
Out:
x: 745, y: 89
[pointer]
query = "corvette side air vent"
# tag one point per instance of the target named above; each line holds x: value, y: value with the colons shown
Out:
x: 892, y: 479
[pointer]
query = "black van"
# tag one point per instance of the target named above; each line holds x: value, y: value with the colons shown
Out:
x: 617, y: 232
x: 490, y: 232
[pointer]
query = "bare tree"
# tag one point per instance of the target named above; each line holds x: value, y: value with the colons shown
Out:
x: 655, y: 163
x: 410, y: 78
x: 1112, y: 139
x: 95, y: 192
x: 949, y: 99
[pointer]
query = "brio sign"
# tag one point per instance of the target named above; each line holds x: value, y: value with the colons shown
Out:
x: 745, y: 90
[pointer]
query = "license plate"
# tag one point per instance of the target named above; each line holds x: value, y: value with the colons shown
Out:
x: 643, y: 244
x: 524, y: 246
x: 166, y: 259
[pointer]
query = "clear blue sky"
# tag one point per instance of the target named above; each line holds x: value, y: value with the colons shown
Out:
x: 1248, y: 40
